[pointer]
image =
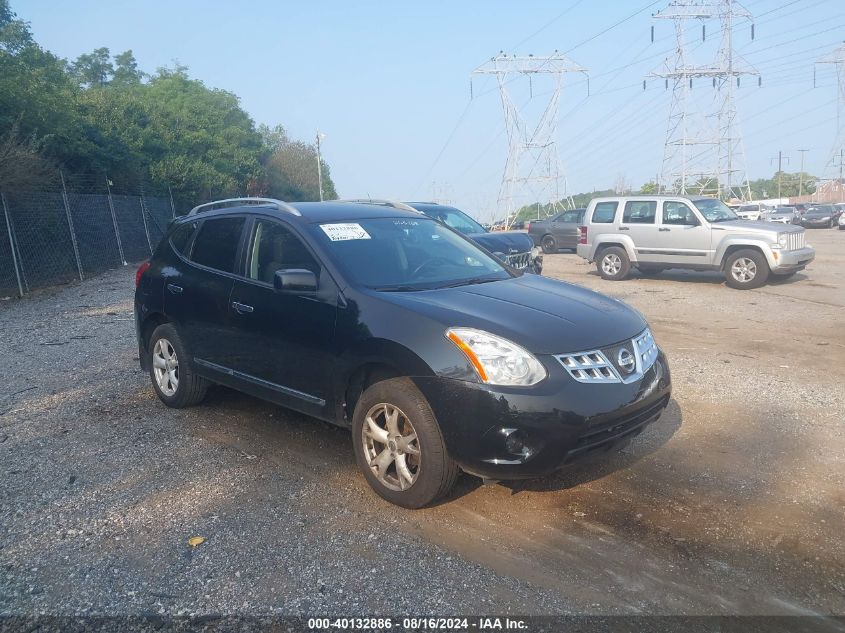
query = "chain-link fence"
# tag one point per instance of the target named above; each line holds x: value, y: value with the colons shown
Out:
x: 50, y: 238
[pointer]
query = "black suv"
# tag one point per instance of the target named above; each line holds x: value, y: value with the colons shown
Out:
x: 515, y: 248
x: 437, y: 356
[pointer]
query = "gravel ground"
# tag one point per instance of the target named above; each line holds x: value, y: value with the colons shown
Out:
x: 731, y: 504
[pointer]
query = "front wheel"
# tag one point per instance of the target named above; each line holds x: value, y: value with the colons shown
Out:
x: 549, y: 244
x: 398, y: 445
x: 746, y: 269
x: 613, y: 263
x: 174, y: 381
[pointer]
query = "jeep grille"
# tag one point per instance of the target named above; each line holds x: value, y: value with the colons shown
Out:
x: 795, y: 241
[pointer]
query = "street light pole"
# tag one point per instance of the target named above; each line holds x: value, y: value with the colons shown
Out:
x: 319, y: 165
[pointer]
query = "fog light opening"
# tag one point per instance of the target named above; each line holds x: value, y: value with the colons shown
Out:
x: 515, y: 443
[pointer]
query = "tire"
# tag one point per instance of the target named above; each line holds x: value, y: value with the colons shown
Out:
x: 746, y: 269
x: 613, y: 263
x: 175, y: 383
x: 431, y: 473
x: 548, y: 244
x: 650, y: 271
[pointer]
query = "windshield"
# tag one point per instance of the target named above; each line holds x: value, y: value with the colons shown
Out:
x: 406, y: 254
x: 714, y: 210
x: 458, y: 220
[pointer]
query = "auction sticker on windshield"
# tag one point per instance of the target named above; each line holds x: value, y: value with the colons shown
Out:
x: 343, y: 232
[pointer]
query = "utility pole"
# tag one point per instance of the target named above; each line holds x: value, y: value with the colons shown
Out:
x: 801, y: 173
x: 841, y: 165
x: 533, y: 165
x: 780, y: 169
x: 320, y: 136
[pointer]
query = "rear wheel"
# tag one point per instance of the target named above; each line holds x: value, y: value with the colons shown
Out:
x: 174, y: 381
x: 613, y: 263
x: 549, y: 244
x: 746, y: 269
x: 398, y: 445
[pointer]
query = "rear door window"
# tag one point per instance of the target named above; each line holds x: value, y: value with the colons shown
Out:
x: 182, y: 235
x: 570, y: 216
x: 216, y: 244
x: 605, y: 212
x: 639, y: 212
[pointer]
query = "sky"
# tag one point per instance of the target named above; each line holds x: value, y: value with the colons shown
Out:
x: 388, y: 83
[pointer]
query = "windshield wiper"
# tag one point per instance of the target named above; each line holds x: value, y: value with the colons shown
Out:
x: 397, y: 289
x: 469, y: 282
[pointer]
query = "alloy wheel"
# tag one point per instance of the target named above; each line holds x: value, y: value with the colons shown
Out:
x: 611, y: 264
x: 744, y: 270
x: 166, y: 367
x: 391, y: 446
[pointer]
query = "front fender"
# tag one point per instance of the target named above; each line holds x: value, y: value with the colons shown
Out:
x: 740, y: 242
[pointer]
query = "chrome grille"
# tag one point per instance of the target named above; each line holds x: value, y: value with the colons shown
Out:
x: 595, y: 367
x: 795, y: 241
x: 589, y: 367
x: 519, y: 260
x: 646, y: 349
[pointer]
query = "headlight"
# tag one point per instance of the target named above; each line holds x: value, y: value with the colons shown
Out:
x: 782, y: 240
x: 496, y: 360
x: 535, y: 251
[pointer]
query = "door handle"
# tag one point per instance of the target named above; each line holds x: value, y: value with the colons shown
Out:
x: 242, y: 308
x: 177, y: 290
x: 624, y: 228
x: 663, y: 229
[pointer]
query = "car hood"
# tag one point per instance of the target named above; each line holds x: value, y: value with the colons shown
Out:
x: 543, y: 315
x: 506, y: 242
x: 757, y: 227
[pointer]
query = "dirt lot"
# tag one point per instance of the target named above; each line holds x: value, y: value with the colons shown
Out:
x: 734, y: 502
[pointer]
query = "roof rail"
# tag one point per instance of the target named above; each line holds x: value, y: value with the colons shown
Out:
x: 383, y: 202
x: 279, y: 204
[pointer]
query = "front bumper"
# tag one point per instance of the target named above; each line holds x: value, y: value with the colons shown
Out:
x: 813, y: 224
x: 557, y: 421
x: 791, y: 261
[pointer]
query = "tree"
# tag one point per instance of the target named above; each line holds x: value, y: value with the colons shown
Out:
x: 22, y: 167
x: 93, y: 69
x: 650, y: 188
x: 126, y: 70
x: 291, y: 168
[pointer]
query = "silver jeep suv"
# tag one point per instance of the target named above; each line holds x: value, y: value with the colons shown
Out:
x: 653, y: 233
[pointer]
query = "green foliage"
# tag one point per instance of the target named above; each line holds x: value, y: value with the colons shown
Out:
x: 790, y: 184
x: 102, y: 115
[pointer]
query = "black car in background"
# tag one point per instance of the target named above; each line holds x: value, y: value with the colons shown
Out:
x: 820, y: 216
x: 557, y: 232
x: 514, y: 247
x: 384, y: 321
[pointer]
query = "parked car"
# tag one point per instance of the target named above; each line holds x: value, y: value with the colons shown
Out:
x: 842, y: 222
x: 750, y: 211
x: 653, y: 233
x: 840, y: 207
x: 515, y: 248
x: 821, y: 216
x: 384, y: 321
x: 557, y: 232
x: 783, y: 215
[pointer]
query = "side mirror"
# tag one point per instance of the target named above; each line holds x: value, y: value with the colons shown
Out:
x: 295, y: 279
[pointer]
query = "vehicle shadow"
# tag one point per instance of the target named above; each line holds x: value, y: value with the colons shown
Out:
x: 593, y: 467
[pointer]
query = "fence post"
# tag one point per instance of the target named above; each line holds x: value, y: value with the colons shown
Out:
x: 114, y: 222
x: 146, y: 228
x: 70, y: 225
x: 12, y: 243
x: 172, y: 206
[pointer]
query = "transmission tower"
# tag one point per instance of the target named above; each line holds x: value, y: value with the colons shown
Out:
x: 837, y: 59
x: 533, y: 172
x: 698, y: 156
